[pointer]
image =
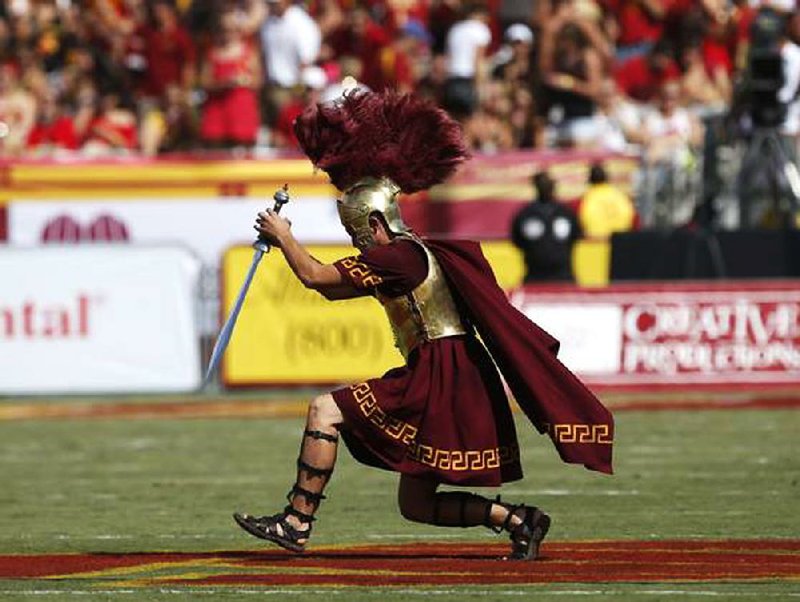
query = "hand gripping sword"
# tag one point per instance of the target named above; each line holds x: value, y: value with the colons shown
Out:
x: 261, y: 246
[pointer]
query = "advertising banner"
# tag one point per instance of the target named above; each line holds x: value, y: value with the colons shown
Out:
x: 206, y: 226
x: 98, y: 319
x: 287, y: 334
x: 708, y: 334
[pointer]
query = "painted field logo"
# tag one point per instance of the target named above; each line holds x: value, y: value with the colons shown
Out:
x: 423, y: 564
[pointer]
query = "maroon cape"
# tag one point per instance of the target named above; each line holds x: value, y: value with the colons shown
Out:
x: 552, y: 397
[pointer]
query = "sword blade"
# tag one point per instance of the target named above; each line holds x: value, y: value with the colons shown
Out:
x: 227, y: 330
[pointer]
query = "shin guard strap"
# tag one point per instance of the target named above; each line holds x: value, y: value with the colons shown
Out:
x: 313, y: 471
x: 321, y: 436
x: 304, y: 518
x: 311, y: 496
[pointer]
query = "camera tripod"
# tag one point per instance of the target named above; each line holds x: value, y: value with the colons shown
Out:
x: 766, y: 160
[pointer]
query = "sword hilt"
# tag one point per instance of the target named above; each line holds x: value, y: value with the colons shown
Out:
x: 281, y: 197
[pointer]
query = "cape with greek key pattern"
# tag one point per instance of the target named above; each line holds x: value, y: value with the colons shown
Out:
x: 552, y: 397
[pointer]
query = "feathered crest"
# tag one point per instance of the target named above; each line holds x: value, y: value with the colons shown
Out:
x: 407, y: 139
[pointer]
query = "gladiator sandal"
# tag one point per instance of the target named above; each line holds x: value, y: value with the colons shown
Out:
x: 527, y: 536
x: 277, y: 528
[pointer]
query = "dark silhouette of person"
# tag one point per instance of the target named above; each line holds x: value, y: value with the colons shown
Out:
x: 546, y: 230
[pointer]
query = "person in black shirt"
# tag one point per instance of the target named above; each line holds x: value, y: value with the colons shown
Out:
x: 545, y: 230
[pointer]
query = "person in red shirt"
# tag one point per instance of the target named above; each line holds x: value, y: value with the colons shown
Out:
x: 169, y: 51
x: 113, y: 130
x: 231, y: 77
x: 637, y: 24
x: 314, y: 81
x: 641, y: 77
x: 54, y: 129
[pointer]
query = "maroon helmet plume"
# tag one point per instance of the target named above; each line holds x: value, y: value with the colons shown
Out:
x: 404, y: 138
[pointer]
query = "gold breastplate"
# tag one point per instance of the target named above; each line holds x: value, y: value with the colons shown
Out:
x: 426, y: 313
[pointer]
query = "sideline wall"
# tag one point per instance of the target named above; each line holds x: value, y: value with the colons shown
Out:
x: 706, y: 334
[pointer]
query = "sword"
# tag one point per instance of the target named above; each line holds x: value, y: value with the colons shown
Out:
x: 261, y: 246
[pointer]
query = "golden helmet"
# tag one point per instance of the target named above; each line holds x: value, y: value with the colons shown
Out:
x: 367, y: 196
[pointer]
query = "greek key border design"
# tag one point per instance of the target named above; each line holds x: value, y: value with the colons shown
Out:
x: 444, y: 459
x: 581, y: 433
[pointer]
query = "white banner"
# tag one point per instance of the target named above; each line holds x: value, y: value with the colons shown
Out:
x: 98, y: 319
x: 207, y: 227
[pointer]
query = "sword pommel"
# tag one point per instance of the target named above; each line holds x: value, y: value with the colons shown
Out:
x: 281, y: 197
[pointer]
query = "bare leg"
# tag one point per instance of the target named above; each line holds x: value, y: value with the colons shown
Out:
x: 317, y: 456
x: 292, y: 528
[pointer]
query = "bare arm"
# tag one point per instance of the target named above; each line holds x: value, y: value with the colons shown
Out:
x: 654, y: 8
x: 324, y: 278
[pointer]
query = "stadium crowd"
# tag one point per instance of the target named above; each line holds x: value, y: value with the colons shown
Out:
x: 116, y: 77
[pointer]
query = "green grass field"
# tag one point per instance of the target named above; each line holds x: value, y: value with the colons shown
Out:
x: 147, y: 485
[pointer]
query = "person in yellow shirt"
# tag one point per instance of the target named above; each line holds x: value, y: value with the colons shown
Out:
x: 604, y: 208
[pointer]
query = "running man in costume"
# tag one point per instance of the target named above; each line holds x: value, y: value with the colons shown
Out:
x: 443, y: 418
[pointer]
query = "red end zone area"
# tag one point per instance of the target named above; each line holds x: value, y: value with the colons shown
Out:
x: 423, y: 564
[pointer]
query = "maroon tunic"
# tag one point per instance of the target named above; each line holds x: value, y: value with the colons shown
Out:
x: 443, y: 416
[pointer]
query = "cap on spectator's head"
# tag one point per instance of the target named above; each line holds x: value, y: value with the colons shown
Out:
x: 314, y: 77
x: 415, y: 29
x: 519, y: 32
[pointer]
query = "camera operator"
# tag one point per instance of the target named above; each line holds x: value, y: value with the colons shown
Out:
x: 774, y: 69
x: 789, y: 94
x: 771, y: 103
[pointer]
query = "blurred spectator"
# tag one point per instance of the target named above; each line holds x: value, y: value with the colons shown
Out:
x: 571, y: 72
x: 671, y: 137
x: 515, y: 64
x: 640, y: 78
x: 545, y: 231
x: 604, y: 208
x: 54, y: 130
x: 432, y: 84
x: 171, y: 126
x: 231, y: 76
x: 169, y: 52
x: 670, y: 130
x: 616, y: 121
x: 17, y: 112
x: 290, y: 42
x: 635, y: 25
x: 701, y: 88
x: 488, y: 128
x: 314, y: 81
x: 113, y: 131
x: 85, y: 101
x: 467, y: 46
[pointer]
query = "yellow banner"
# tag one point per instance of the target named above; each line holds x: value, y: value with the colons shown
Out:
x: 287, y: 334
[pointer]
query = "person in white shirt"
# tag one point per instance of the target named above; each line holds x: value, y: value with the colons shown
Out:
x: 290, y: 41
x: 790, y: 92
x: 670, y: 136
x: 466, y: 46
